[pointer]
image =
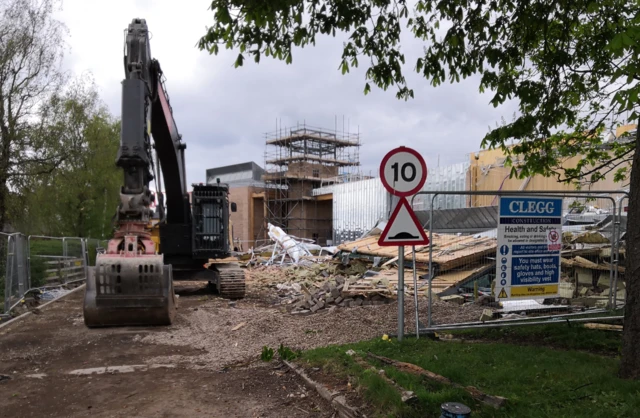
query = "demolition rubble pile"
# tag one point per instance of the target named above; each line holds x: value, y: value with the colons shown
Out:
x: 359, y: 273
x: 310, y: 288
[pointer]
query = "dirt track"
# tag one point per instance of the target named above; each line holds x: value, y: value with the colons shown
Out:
x: 38, y: 353
x: 209, y: 369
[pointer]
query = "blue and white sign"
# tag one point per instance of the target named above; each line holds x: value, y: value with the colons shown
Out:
x: 529, y: 244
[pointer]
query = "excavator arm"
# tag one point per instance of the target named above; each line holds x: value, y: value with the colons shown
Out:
x: 147, y: 114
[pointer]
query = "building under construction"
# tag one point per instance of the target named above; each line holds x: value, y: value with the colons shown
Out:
x: 298, y: 160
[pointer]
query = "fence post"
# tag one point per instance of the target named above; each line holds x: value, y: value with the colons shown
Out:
x: 615, y: 252
x: 85, y: 254
x: 29, y: 259
x: 23, y: 279
x: 8, y: 277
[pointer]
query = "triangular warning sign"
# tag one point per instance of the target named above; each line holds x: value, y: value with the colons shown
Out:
x: 503, y: 294
x: 403, y: 228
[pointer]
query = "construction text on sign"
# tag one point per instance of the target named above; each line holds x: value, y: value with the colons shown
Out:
x: 403, y: 172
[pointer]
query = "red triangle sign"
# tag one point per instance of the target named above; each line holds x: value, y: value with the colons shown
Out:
x: 403, y: 228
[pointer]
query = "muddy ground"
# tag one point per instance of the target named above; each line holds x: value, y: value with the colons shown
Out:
x: 206, y: 364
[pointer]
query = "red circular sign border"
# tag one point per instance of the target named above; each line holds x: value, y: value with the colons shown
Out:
x: 422, y: 163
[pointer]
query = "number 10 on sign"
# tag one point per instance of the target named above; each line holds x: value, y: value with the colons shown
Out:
x: 403, y: 172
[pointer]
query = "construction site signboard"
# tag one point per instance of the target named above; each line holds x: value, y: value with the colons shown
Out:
x: 529, y: 244
x: 403, y: 172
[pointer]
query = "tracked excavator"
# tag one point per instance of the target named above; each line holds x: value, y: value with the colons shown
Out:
x: 132, y: 282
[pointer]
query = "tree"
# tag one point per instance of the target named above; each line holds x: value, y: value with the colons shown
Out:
x: 31, y: 47
x: 79, y: 197
x: 572, y: 67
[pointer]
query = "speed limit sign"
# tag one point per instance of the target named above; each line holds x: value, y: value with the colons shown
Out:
x: 403, y: 172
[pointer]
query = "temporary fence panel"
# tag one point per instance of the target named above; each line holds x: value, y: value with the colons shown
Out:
x: 5, y: 284
x: 76, y: 259
x: 56, y: 260
x: 583, y: 278
x: 39, y: 262
x: 14, y: 271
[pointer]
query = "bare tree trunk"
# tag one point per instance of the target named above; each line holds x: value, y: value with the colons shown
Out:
x: 630, y: 364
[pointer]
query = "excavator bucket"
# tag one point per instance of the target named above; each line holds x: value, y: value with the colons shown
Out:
x: 128, y: 291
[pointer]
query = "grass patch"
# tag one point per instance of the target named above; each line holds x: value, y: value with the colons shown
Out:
x: 537, y: 381
x: 563, y: 336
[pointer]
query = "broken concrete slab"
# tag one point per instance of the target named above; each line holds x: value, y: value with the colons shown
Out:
x: 487, y: 315
x: 119, y: 369
x: 566, y: 290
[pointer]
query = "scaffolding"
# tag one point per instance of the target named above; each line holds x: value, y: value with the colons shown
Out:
x: 298, y: 160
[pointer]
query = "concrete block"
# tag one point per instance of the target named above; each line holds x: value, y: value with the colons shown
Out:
x: 356, y: 302
x: 566, y: 290
x: 335, y: 292
x: 317, y: 306
x: 487, y: 315
x: 339, y: 299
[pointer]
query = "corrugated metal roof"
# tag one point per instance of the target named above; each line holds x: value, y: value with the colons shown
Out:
x: 461, y: 220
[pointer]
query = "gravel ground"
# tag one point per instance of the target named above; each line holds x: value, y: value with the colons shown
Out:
x: 210, y: 327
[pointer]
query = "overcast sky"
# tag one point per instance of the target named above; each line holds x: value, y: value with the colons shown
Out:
x: 223, y: 113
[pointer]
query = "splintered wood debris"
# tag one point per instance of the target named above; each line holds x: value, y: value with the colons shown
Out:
x: 449, y: 251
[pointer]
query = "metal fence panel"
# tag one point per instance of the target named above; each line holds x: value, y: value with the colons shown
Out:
x: 39, y: 262
x: 462, y: 266
x: 14, y: 271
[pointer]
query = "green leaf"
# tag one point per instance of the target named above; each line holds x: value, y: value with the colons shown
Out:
x: 239, y: 61
x: 345, y: 67
x: 616, y: 42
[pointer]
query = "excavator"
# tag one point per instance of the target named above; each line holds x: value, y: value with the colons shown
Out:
x: 132, y: 282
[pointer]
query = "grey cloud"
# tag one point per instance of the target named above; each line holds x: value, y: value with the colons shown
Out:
x: 223, y: 113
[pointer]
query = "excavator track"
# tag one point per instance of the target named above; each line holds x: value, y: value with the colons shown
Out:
x: 231, y: 281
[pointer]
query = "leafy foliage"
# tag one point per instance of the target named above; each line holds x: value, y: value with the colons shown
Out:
x: 86, y: 186
x: 572, y: 65
x: 31, y: 49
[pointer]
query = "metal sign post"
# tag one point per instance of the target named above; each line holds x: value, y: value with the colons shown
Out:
x: 403, y: 172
